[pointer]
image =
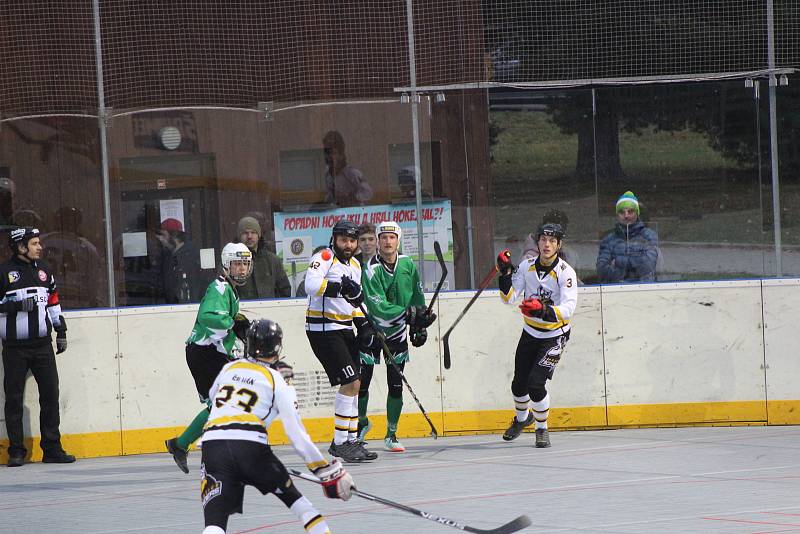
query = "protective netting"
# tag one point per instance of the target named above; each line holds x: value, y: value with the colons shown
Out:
x: 237, y: 53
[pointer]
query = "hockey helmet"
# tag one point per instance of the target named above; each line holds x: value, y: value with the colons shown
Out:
x: 346, y: 228
x: 550, y: 229
x: 237, y: 252
x: 389, y: 227
x: 21, y: 236
x: 264, y: 340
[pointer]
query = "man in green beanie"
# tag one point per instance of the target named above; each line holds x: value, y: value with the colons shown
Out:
x: 629, y: 252
x: 269, y: 279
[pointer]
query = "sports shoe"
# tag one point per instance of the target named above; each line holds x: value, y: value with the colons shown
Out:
x: 57, y: 457
x: 363, y: 430
x: 368, y: 454
x: 513, y: 431
x: 16, y: 460
x: 391, y: 444
x: 178, y: 454
x: 349, y: 452
x: 542, y: 438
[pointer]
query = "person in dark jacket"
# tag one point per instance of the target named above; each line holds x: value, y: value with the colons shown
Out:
x: 29, y: 312
x: 629, y: 252
x: 269, y: 278
x: 180, y: 265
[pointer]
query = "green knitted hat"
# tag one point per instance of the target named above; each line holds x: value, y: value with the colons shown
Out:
x: 628, y: 200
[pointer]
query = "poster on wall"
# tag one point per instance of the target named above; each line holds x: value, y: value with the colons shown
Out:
x: 437, y: 225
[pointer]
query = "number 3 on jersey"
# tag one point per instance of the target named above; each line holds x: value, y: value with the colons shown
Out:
x: 226, y: 392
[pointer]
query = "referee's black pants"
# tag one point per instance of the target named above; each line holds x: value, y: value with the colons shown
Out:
x: 40, y: 360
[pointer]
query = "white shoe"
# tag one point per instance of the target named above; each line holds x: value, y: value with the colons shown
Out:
x: 391, y: 444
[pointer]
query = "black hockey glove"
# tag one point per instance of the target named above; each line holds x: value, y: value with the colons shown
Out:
x: 240, y: 326
x: 61, y: 336
x: 418, y: 336
x: 504, y: 265
x: 368, y: 339
x: 351, y: 292
x: 418, y: 317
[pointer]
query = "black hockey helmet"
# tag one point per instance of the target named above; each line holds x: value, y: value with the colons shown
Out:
x: 21, y: 236
x: 550, y: 229
x: 264, y: 340
x: 346, y: 228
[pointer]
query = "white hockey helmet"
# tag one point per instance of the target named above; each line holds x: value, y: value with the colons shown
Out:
x: 389, y: 227
x: 237, y: 252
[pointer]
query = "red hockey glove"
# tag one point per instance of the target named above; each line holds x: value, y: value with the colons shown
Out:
x: 532, y: 307
x: 504, y: 265
x: 336, y: 482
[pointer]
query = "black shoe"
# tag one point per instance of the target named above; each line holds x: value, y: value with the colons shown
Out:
x: 16, y: 460
x: 178, y: 454
x: 513, y: 431
x: 349, y: 452
x: 542, y: 438
x: 368, y: 454
x: 59, y: 457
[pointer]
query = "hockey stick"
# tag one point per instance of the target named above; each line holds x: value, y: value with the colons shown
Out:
x: 512, y: 526
x: 390, y: 359
x: 446, y: 338
x: 438, y: 250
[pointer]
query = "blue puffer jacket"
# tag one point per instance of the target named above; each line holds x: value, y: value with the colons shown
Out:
x: 628, y: 254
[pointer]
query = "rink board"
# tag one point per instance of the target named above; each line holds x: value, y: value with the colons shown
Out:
x: 647, y: 355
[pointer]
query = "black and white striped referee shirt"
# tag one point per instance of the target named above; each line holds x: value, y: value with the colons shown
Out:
x: 20, y: 280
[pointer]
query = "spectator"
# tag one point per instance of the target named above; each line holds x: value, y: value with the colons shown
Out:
x: 269, y: 278
x: 407, y: 182
x: 629, y: 252
x: 344, y: 185
x: 29, y: 313
x: 180, y: 265
x: 367, y: 243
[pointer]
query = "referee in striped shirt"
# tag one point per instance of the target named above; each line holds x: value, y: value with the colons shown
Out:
x: 29, y: 312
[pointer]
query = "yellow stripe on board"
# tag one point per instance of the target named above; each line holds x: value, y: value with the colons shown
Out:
x: 412, y: 425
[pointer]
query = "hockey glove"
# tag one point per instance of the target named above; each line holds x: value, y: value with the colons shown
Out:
x: 418, y: 336
x: 286, y: 370
x: 368, y: 339
x: 532, y: 307
x: 61, y: 335
x: 351, y: 292
x: 418, y: 317
x: 336, y: 482
x: 504, y: 265
x: 240, y: 326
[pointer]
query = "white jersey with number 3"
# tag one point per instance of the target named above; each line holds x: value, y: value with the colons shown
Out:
x: 246, y: 398
x: 557, y: 287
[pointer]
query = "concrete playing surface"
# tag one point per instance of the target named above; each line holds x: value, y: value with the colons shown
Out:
x: 706, y: 479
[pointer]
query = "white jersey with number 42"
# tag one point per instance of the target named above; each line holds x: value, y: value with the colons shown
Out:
x: 246, y: 398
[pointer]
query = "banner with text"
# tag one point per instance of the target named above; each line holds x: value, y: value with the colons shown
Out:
x: 298, y: 227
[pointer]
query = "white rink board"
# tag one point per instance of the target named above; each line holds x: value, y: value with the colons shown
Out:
x: 674, y: 343
x: 781, y: 328
x: 653, y: 344
x: 88, y: 378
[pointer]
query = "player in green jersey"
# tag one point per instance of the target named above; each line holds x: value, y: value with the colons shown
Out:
x: 396, y: 304
x: 212, y: 342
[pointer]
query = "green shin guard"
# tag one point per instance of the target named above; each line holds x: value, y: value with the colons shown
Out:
x: 193, y: 431
x: 394, y: 406
x: 363, y: 400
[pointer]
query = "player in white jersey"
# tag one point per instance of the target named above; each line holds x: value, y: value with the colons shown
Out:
x: 334, y: 299
x: 548, y: 285
x: 247, y: 397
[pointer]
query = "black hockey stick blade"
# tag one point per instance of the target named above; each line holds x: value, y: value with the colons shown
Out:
x: 446, y: 338
x: 512, y: 526
x: 446, y: 343
x: 440, y: 258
